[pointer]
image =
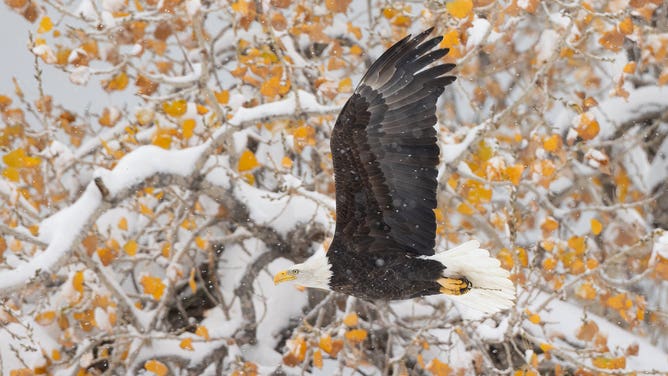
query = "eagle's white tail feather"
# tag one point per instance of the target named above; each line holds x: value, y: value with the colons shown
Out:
x: 492, y: 290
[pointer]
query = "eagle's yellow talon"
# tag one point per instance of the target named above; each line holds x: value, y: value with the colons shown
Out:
x: 454, y: 286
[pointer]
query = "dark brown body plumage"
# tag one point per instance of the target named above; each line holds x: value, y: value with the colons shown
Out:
x: 385, y: 163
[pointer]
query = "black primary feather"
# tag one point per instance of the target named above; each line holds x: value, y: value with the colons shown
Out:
x: 385, y: 154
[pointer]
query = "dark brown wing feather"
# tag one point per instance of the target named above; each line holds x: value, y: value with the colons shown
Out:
x: 385, y: 153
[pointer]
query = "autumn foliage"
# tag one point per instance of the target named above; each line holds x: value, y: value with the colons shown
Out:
x: 553, y: 146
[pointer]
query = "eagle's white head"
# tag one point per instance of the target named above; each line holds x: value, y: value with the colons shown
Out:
x: 314, y: 272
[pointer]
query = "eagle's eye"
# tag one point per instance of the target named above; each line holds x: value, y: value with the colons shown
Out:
x: 294, y: 271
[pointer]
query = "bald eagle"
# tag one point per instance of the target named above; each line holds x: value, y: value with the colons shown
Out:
x: 385, y: 158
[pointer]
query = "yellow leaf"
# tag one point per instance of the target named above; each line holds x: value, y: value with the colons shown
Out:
x: 609, y: 363
x: 577, y: 243
x: 153, y: 286
x: 106, y: 255
x: 18, y: 159
x: 325, y: 343
x: 545, y: 347
x: 450, y: 39
x: 156, y: 367
x: 514, y: 173
x: 356, y: 335
x: 465, y: 209
x: 459, y: 8
x: 549, y: 264
x: 401, y: 21
x: 55, y: 355
x: 130, y: 247
x: 351, y: 319
x: 596, y: 226
x: 45, y: 25
x: 78, y: 281
x: 533, y: 317
x: 201, y: 242
x: 586, y: 291
x: 117, y: 82
x: 223, y: 97
x: 317, y: 359
x: 187, y: 344
x: 162, y: 138
x: 286, y: 162
x: 45, y: 318
x: 356, y: 50
x: 11, y: 173
x: 191, y: 281
x: 188, y: 127
x: 438, y: 368
x: 202, y: 331
x: 247, y: 161
x: 123, y: 224
x: 271, y: 86
x: 175, y: 108
x: 346, y: 85
x: 552, y: 143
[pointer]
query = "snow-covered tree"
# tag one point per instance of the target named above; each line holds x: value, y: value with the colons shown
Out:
x: 140, y: 233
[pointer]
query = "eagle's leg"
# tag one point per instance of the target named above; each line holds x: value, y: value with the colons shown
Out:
x: 454, y: 286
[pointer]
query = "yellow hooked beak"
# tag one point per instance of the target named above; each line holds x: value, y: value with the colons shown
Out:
x: 283, y: 276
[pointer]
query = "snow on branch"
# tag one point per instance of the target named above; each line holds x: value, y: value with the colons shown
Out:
x: 64, y: 230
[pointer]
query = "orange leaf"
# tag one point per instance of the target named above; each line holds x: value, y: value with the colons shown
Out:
x: 337, y: 6
x: 223, y: 97
x: 351, y: 319
x: 459, y: 8
x: 317, y: 359
x: 549, y: 224
x: 630, y: 67
x: 18, y: 159
x: 626, y: 26
x: 202, y: 331
x: 588, y: 127
x: 247, y: 161
x: 45, y: 25
x: 587, y: 331
x: 586, y: 291
x: 156, y: 367
x: 153, y: 286
x: 175, y: 108
x: 438, y: 368
x: 612, y: 40
x: 187, y: 344
x: 326, y: 343
x: 549, y: 264
x: 78, y: 281
x: 356, y: 335
x: 270, y: 87
x: 45, y: 318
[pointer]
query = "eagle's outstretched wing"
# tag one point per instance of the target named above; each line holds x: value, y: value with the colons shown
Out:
x: 385, y: 153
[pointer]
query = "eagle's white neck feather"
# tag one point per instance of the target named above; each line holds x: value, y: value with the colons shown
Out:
x: 314, y: 272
